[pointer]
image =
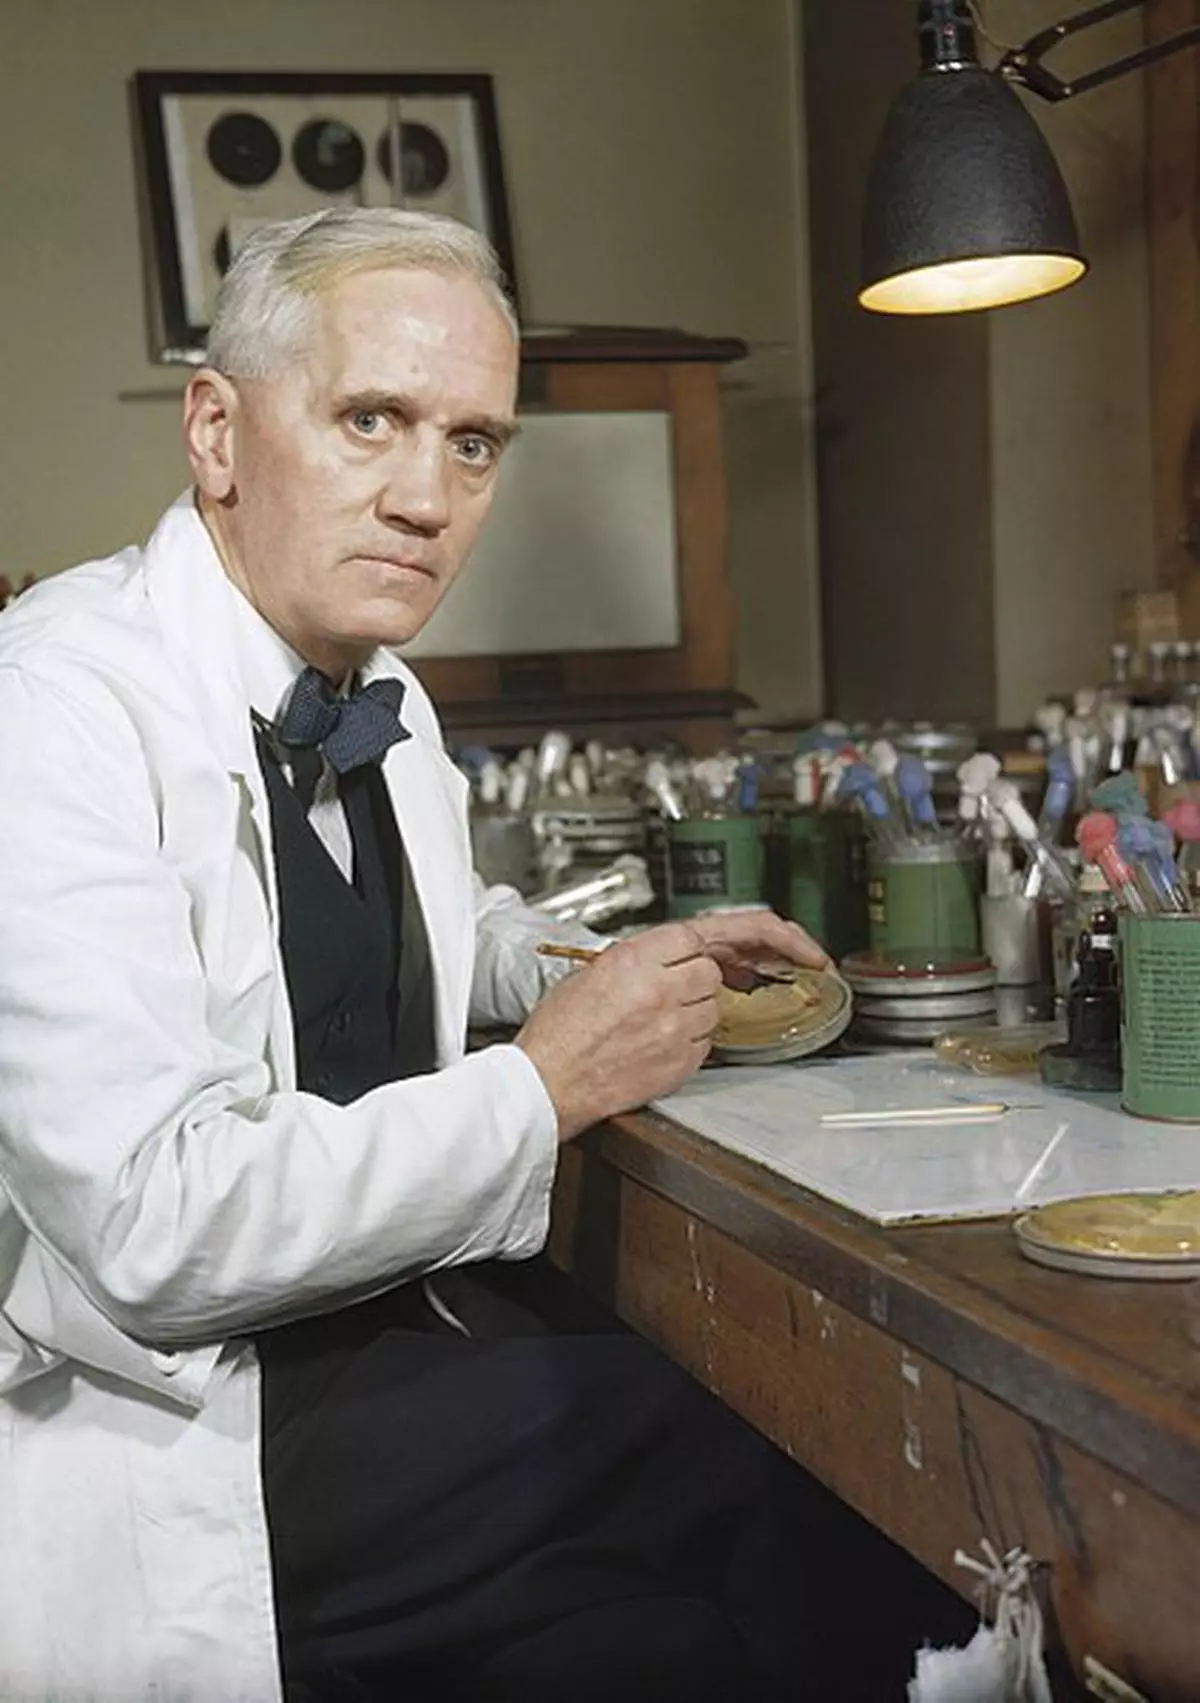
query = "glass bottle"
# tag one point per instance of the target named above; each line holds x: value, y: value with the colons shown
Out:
x: 1094, y: 996
x: 1068, y: 920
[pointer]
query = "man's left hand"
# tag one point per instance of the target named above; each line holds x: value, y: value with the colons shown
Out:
x: 742, y: 942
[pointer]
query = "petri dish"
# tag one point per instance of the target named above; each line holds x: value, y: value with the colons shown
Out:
x: 909, y: 1031
x: 782, y: 1021
x: 1007, y: 1051
x: 1139, y: 1235
x: 920, y: 1004
x: 920, y: 970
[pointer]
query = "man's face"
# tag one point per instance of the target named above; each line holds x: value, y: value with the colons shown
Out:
x: 359, y: 476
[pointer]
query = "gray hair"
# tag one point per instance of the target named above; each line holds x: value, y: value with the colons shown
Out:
x: 267, y: 301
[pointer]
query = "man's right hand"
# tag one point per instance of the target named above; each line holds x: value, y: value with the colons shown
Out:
x: 632, y: 1025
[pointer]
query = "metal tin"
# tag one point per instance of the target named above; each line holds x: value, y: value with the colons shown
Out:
x: 597, y: 828
x: 575, y: 836
x: 911, y: 1007
x: 1160, y: 1026
x: 924, y: 895
x: 941, y: 749
x: 503, y: 848
x: 655, y: 854
x: 872, y: 975
x: 713, y: 861
x: 822, y: 883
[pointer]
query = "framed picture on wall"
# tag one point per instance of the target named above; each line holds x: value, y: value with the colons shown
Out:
x: 224, y: 152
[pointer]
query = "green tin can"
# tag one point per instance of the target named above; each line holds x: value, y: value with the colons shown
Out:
x: 924, y: 896
x: 713, y: 861
x: 824, y: 885
x: 1160, y: 1025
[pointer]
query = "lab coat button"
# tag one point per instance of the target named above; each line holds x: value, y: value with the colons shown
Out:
x: 167, y: 1362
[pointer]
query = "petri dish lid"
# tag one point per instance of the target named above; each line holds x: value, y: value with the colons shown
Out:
x: 920, y: 1003
x: 1012, y: 1050
x: 1138, y: 1235
x: 912, y: 1031
x: 782, y: 1021
x: 920, y: 970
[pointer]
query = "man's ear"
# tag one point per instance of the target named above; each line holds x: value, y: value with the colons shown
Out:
x: 210, y: 415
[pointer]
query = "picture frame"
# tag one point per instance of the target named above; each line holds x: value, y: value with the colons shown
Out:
x: 224, y: 151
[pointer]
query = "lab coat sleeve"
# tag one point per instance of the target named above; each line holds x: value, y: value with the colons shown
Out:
x: 509, y: 976
x: 144, y: 1147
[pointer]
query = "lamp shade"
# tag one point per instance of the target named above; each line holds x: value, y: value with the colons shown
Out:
x: 965, y: 206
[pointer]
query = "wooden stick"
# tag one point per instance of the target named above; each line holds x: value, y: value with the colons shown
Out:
x: 581, y: 954
x: 969, y: 1111
x: 585, y: 955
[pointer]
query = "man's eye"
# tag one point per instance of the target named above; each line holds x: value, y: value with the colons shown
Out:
x: 476, y: 452
x: 367, y: 422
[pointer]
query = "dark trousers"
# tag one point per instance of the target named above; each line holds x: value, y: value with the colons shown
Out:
x: 549, y: 1512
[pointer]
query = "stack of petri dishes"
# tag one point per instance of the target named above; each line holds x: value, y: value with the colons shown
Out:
x: 911, y: 997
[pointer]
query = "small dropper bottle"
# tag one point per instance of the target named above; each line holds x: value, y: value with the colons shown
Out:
x: 1094, y: 996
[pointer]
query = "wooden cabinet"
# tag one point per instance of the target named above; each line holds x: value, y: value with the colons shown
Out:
x: 684, y: 690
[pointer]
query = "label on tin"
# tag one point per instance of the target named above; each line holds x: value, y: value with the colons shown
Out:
x: 1161, y: 1006
x: 877, y: 901
x: 698, y: 868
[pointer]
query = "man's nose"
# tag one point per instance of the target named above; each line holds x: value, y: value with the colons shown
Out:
x: 417, y: 492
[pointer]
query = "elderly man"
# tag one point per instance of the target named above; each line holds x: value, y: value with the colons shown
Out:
x: 272, y: 1419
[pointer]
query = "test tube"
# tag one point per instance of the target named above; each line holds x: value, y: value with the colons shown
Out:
x: 859, y: 783
x: 1097, y: 837
x: 1141, y: 845
x: 916, y: 791
x: 1059, y: 795
x: 1052, y: 867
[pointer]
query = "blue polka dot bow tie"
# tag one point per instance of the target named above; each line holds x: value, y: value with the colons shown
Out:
x: 349, y: 731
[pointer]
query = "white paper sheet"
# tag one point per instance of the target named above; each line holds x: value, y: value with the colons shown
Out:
x: 958, y: 1170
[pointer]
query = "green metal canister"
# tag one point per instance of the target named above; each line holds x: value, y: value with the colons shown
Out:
x: 713, y: 861
x: 1160, y: 1025
x: 924, y: 896
x: 825, y: 889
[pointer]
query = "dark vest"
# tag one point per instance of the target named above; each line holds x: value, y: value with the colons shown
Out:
x: 356, y: 956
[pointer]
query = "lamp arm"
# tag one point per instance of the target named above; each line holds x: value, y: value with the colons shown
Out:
x: 1023, y: 64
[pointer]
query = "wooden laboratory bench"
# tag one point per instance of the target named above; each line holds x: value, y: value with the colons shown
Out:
x: 942, y: 1385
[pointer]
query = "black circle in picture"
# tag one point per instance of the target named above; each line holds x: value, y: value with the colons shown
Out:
x: 328, y: 154
x: 244, y: 149
x: 424, y: 159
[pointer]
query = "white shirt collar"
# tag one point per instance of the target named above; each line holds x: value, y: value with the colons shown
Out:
x: 266, y: 664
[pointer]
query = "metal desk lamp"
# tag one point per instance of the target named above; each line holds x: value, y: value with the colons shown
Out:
x: 966, y: 207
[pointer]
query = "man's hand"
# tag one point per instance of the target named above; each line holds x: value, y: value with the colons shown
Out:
x: 638, y: 1021
x: 742, y: 941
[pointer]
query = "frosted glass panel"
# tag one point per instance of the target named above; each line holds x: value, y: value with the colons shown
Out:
x: 578, y: 552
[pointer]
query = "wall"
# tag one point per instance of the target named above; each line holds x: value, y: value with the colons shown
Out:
x: 984, y: 479
x: 653, y: 174
x: 1072, y: 488
x: 902, y: 419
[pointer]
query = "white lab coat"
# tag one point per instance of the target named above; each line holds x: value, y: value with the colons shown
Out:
x: 163, y: 1184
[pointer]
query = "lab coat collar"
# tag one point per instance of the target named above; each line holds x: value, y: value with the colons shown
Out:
x: 193, y: 600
